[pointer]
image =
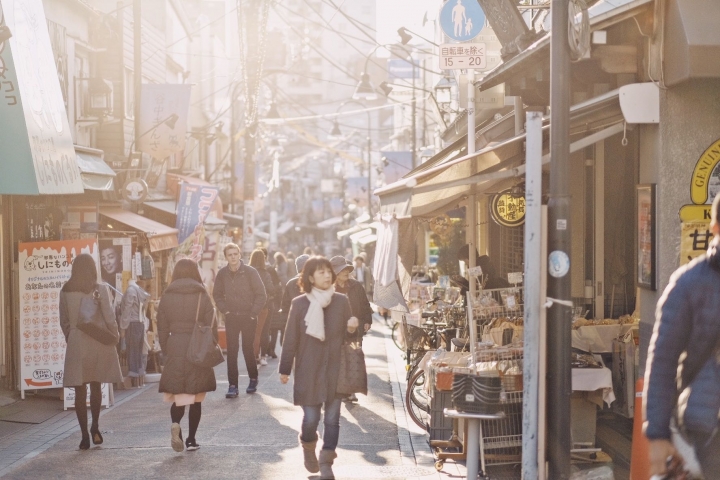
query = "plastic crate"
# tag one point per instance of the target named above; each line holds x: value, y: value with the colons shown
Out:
x: 439, y: 402
x: 477, y: 393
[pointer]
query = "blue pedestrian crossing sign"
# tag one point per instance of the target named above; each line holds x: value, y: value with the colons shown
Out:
x: 462, y: 20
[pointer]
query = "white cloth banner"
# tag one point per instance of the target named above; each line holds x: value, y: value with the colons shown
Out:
x: 163, y: 120
x: 386, y: 255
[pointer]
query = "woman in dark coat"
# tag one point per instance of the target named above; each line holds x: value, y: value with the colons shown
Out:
x: 184, y: 302
x: 318, y: 323
x: 87, y: 361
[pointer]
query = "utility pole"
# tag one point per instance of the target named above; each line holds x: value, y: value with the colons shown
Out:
x: 413, y: 112
x: 137, y: 77
x: 559, y: 383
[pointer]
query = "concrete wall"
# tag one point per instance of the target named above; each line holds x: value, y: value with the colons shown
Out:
x: 689, y: 123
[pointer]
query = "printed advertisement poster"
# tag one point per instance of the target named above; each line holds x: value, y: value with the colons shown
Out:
x: 44, y: 269
x: 69, y: 396
x: 115, y: 258
x: 695, y: 238
x: 196, y: 201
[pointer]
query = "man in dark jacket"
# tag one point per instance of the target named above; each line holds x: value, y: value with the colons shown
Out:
x: 687, y: 324
x: 292, y: 289
x: 240, y: 295
x: 359, y: 304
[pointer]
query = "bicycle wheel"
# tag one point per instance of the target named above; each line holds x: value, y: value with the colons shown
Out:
x: 417, y: 400
x: 395, y: 334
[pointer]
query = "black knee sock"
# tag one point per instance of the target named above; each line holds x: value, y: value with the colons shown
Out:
x: 177, y: 413
x: 194, y: 418
x: 81, y: 408
x: 95, y: 403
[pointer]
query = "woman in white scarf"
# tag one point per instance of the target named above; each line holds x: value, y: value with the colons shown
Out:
x: 318, y: 323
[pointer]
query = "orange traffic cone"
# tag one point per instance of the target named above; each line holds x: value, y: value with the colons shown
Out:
x: 639, y: 460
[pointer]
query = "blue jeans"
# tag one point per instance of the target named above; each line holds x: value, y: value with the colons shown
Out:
x: 311, y: 419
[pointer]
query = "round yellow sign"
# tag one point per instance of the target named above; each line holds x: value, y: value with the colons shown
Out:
x: 508, y: 210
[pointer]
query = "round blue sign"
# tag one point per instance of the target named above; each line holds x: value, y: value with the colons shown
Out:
x: 462, y: 20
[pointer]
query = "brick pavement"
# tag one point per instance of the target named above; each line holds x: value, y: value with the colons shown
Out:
x: 254, y: 436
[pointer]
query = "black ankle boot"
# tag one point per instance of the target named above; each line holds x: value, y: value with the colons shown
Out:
x: 97, y: 437
x: 85, y: 442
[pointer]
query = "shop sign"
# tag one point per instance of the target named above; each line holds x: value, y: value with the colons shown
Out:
x: 695, y: 218
x: 44, y: 269
x: 695, y: 238
x: 164, y: 117
x: 508, y: 210
x: 69, y: 396
x: 135, y: 190
x: 194, y: 205
x: 38, y: 153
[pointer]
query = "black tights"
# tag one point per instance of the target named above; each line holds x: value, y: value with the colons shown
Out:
x: 177, y: 413
x: 81, y: 406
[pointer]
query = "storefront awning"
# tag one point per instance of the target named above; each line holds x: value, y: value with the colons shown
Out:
x: 170, y: 207
x: 94, y: 172
x: 602, y: 15
x: 330, y: 222
x: 160, y: 237
x: 432, y: 191
x: 285, y: 227
x: 692, y: 43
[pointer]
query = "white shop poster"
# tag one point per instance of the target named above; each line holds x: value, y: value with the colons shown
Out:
x: 69, y: 396
x: 44, y: 269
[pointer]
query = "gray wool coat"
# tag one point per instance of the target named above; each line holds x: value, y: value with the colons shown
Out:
x: 316, y: 363
x: 86, y: 359
x: 175, y: 322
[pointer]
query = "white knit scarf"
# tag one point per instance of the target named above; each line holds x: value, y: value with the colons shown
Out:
x: 315, y: 317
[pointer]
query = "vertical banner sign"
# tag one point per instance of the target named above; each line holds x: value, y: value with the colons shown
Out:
x: 44, y: 267
x: 248, y: 224
x: 356, y: 191
x: 38, y: 154
x: 196, y: 201
x: 163, y: 120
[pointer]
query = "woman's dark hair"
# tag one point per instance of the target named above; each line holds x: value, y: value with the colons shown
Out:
x: 83, y: 276
x: 279, y: 258
x: 311, y: 266
x: 186, y: 268
x: 257, y: 259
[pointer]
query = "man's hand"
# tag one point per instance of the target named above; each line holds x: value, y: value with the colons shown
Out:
x: 284, y: 378
x: 367, y: 327
x: 660, y: 451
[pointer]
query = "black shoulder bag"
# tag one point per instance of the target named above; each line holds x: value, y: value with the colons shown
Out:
x: 203, y: 350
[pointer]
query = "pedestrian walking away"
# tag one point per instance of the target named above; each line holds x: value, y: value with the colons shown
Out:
x: 133, y: 328
x: 258, y: 261
x: 364, y: 276
x: 359, y: 304
x: 292, y: 290
x: 87, y: 361
x: 686, y: 334
x: 240, y: 295
x: 318, y: 324
x: 184, y: 303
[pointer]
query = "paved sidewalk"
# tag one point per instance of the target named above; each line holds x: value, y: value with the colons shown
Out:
x: 253, y: 436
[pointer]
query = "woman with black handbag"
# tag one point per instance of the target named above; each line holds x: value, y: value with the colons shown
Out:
x: 184, y: 303
x: 88, y: 360
x: 318, y: 324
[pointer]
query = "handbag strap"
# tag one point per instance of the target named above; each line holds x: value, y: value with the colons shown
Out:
x: 197, y: 312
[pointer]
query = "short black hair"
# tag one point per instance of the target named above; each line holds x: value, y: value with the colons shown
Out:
x: 311, y: 266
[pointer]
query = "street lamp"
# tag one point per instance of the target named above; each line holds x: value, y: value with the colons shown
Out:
x: 407, y: 35
x: 364, y: 89
x: 443, y: 91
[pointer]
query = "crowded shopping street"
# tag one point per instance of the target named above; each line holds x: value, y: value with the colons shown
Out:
x: 360, y: 239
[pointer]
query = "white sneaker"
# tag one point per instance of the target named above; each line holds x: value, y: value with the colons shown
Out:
x: 263, y: 362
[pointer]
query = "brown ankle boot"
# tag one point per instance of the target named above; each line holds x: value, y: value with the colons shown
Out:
x: 311, y: 461
x: 326, y: 462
